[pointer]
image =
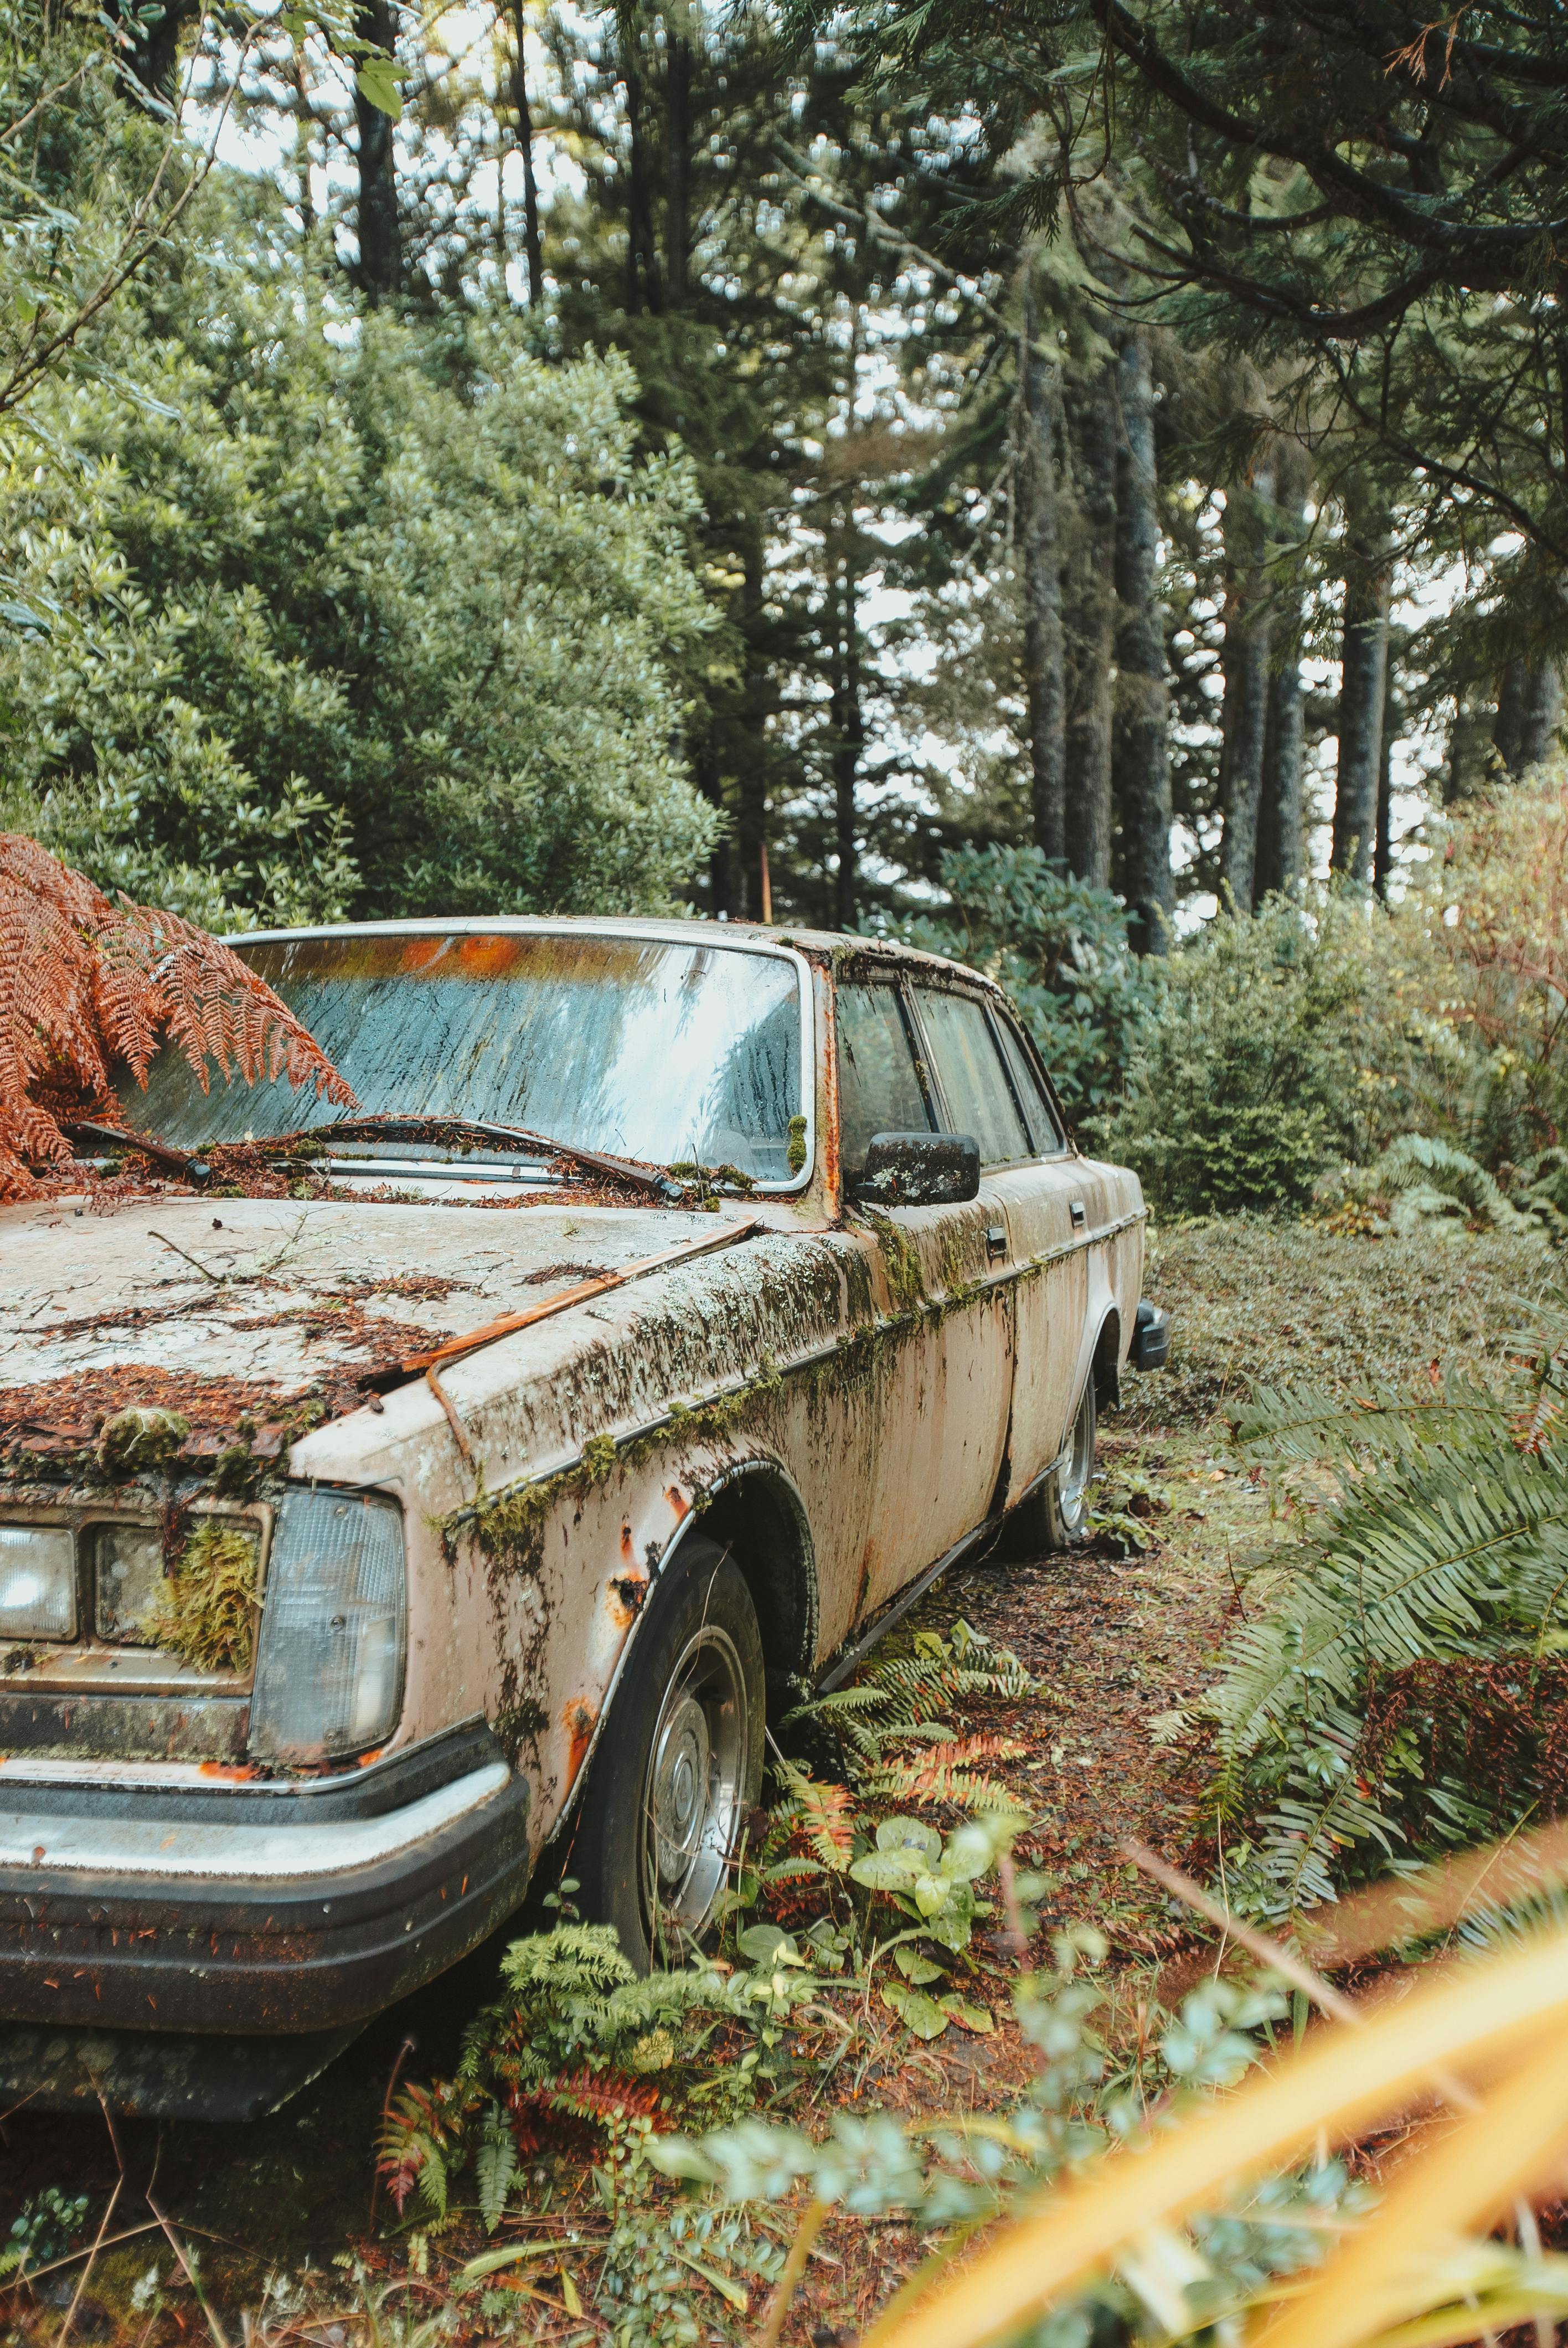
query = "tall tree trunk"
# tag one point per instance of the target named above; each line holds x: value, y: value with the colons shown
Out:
x: 1508, y: 730
x: 303, y: 130
x: 724, y: 877
x: 643, y: 285
x: 1281, y: 834
x: 532, y: 247
x: 1043, y: 650
x: 846, y: 718
x: 1529, y: 710
x: 1383, y: 830
x: 1244, y: 717
x: 678, y: 72
x: 380, y: 270
x: 1363, y: 684
x: 1140, y: 755
x: 1090, y: 629
x: 154, y: 51
x: 752, y: 782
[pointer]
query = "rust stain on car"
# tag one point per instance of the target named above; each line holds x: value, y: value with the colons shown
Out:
x: 628, y: 1592
x: 581, y: 1717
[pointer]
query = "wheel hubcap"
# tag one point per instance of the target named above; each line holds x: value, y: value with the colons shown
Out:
x: 1080, y: 1470
x: 691, y: 1803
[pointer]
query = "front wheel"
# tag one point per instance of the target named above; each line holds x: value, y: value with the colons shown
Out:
x: 680, y: 1765
x: 1057, y: 1515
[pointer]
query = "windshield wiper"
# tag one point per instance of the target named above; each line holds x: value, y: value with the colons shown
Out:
x: 418, y: 1128
x: 162, y: 1153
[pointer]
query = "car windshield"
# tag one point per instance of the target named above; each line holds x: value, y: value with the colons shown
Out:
x: 636, y: 1047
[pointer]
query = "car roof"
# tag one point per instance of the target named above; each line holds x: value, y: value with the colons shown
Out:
x: 818, y: 944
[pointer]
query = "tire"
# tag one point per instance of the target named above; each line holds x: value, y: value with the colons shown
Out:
x: 1056, y: 1517
x: 679, y: 1768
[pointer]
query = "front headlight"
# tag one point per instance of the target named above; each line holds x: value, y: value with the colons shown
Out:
x: 329, y: 1667
x: 37, y: 1583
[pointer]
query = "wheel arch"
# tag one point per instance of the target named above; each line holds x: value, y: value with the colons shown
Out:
x: 752, y: 1507
x: 1105, y: 1363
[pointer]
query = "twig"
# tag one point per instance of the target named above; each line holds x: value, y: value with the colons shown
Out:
x: 175, y: 2244
x: 215, y: 1277
x: 70, y: 2257
x: 64, y: 2332
x: 806, y: 2232
x: 1281, y: 1959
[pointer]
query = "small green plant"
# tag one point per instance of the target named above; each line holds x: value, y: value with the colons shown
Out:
x: 43, y: 2230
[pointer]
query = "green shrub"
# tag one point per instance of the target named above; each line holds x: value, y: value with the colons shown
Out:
x: 1281, y: 1043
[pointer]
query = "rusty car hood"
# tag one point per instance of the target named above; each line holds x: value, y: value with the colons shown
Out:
x: 223, y: 1308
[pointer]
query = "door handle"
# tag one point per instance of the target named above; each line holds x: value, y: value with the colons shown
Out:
x: 996, y: 1242
x: 1080, y: 1214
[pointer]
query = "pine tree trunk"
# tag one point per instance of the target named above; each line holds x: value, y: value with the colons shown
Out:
x: 1244, y: 717
x: 677, y: 70
x: 1529, y: 711
x: 1042, y: 635
x: 1281, y: 835
x: 725, y: 880
x: 532, y: 247
x: 1363, y: 681
x: 1508, y: 731
x: 1140, y: 761
x: 643, y: 285
x: 1383, y: 841
x: 1090, y: 622
x: 847, y: 722
x: 380, y: 269
x: 154, y: 42
x: 751, y: 783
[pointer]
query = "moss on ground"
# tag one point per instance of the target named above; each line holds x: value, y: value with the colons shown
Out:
x: 1252, y: 1301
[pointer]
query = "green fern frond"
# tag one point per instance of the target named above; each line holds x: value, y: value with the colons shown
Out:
x: 1302, y: 1423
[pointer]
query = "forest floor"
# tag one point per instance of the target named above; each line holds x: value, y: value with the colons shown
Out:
x: 276, y: 2215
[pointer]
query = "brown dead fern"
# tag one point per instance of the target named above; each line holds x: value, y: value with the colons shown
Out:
x: 86, y: 984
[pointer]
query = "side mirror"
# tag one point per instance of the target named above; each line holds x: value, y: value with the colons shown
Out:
x: 920, y: 1169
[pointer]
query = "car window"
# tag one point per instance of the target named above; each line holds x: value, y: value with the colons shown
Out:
x: 970, y: 1073
x: 879, y: 1087
x: 667, y: 1051
x: 1048, y: 1138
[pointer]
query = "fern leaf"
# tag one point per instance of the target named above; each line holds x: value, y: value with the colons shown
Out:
x: 824, y: 1815
x: 85, y: 983
x: 495, y: 2166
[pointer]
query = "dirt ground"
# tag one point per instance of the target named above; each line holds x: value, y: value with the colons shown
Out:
x: 195, y: 2219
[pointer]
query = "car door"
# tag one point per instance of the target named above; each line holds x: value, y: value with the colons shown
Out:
x: 941, y: 1382
x: 992, y: 1084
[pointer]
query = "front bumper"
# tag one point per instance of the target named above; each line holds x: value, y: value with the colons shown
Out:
x: 262, y: 1910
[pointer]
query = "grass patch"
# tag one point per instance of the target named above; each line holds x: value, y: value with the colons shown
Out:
x: 1253, y: 1300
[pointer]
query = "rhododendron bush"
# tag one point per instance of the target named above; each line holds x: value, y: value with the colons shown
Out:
x: 89, y: 985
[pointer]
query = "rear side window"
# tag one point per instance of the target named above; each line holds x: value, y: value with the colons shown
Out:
x: 973, y: 1080
x: 878, y: 1085
x: 1048, y: 1138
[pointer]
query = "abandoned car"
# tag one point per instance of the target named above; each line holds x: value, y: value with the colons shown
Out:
x: 467, y: 1485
